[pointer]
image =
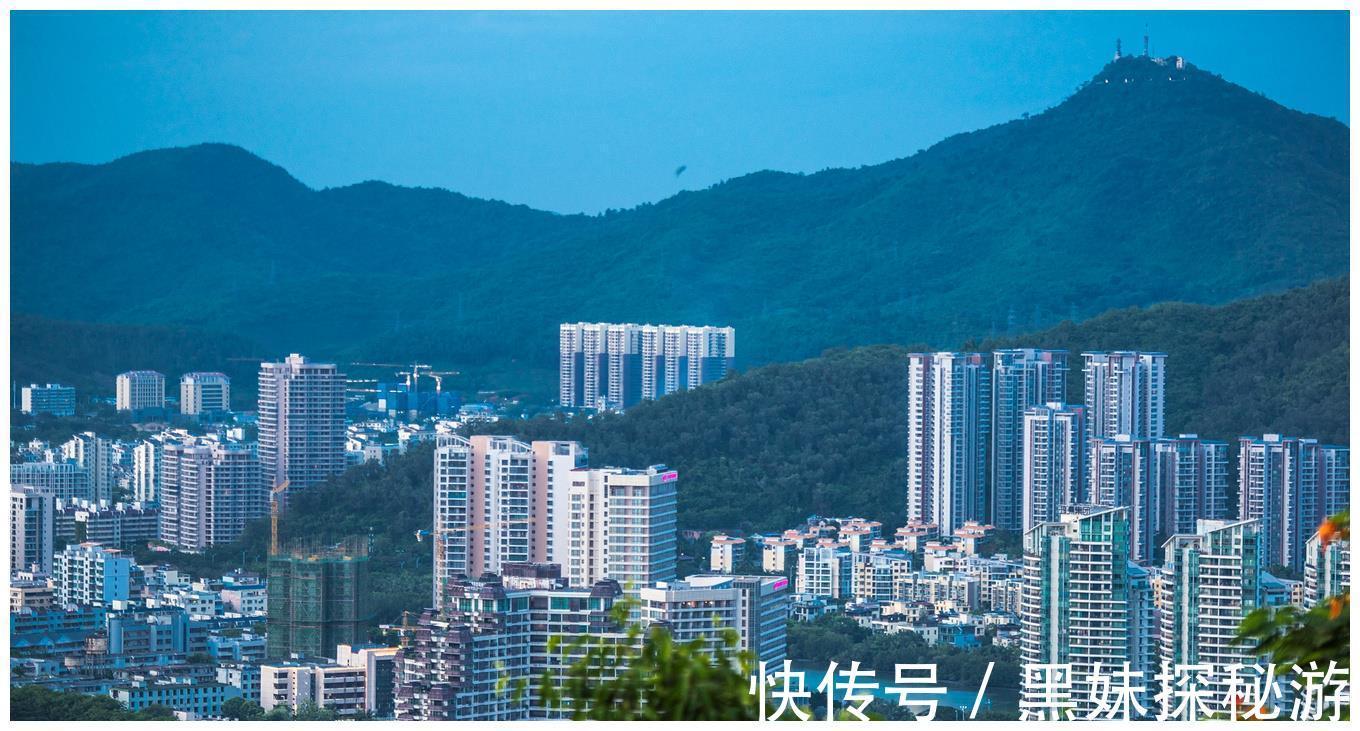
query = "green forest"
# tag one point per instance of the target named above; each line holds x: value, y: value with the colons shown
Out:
x: 761, y: 450
x: 1098, y: 202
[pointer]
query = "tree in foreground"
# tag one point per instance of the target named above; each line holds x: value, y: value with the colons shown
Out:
x: 1289, y: 637
x: 650, y: 677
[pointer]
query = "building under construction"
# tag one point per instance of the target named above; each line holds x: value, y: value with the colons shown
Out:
x: 318, y: 598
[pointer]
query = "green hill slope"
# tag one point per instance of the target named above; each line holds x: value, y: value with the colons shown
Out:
x: 761, y: 450
x: 1128, y: 193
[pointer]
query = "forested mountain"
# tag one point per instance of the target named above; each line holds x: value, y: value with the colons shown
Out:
x: 763, y: 449
x: 1148, y: 184
x: 89, y: 356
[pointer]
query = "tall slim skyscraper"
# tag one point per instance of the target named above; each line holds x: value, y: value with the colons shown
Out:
x: 612, y: 366
x: 32, y: 511
x: 1021, y: 379
x: 948, y: 422
x: 208, y: 492
x: 204, y: 394
x: 1290, y: 485
x: 302, y: 422
x: 1211, y: 579
x: 138, y: 391
x: 1121, y: 476
x: 1190, y: 481
x: 1053, y: 475
x: 1084, y: 603
x: 1125, y: 394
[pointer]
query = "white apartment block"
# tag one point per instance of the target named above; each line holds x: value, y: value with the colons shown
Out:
x: 31, y: 515
x: 66, y: 480
x: 53, y: 398
x: 825, y: 570
x: 301, y: 422
x: 948, y: 422
x: 208, y: 492
x: 298, y: 684
x: 1053, y: 462
x: 1190, y: 481
x: 1326, y: 570
x: 1125, y: 394
x: 612, y: 366
x: 95, y: 455
x: 1084, y: 603
x: 1211, y: 580
x: 875, y: 574
x: 621, y: 526
x: 139, y: 390
x: 146, y: 477
x: 204, y: 393
x: 756, y: 607
x: 93, y: 575
x: 1021, y: 380
x: 1290, y: 485
x: 1121, y: 476
x: 725, y: 552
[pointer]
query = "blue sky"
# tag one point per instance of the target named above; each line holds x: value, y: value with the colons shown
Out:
x: 587, y: 111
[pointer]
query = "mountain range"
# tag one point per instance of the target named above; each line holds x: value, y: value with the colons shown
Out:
x: 1149, y: 183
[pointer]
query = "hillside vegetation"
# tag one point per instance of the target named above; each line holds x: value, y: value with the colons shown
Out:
x: 763, y: 449
x: 1137, y: 189
x: 89, y: 356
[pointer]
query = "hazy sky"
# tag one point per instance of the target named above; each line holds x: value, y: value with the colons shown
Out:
x: 586, y: 111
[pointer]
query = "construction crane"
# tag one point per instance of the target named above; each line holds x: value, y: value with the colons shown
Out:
x: 411, y: 373
x: 274, y: 516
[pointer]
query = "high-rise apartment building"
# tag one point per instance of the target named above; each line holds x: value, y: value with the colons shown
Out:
x: 1053, y: 462
x: 1326, y: 569
x: 94, y: 575
x: 499, y: 500
x: 489, y: 633
x: 146, y: 470
x: 704, y: 606
x: 53, y: 398
x: 1290, y: 485
x: 1121, y: 475
x: 1021, y: 379
x: 1210, y: 580
x: 94, y: 454
x: 140, y: 391
x: 66, y: 480
x: 205, y: 395
x: 1125, y: 394
x: 621, y: 526
x: 1190, y: 482
x: 302, y: 422
x: 31, y: 516
x: 612, y: 366
x: 319, y: 597
x: 208, y: 492
x: 1084, y: 603
x: 948, y: 420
